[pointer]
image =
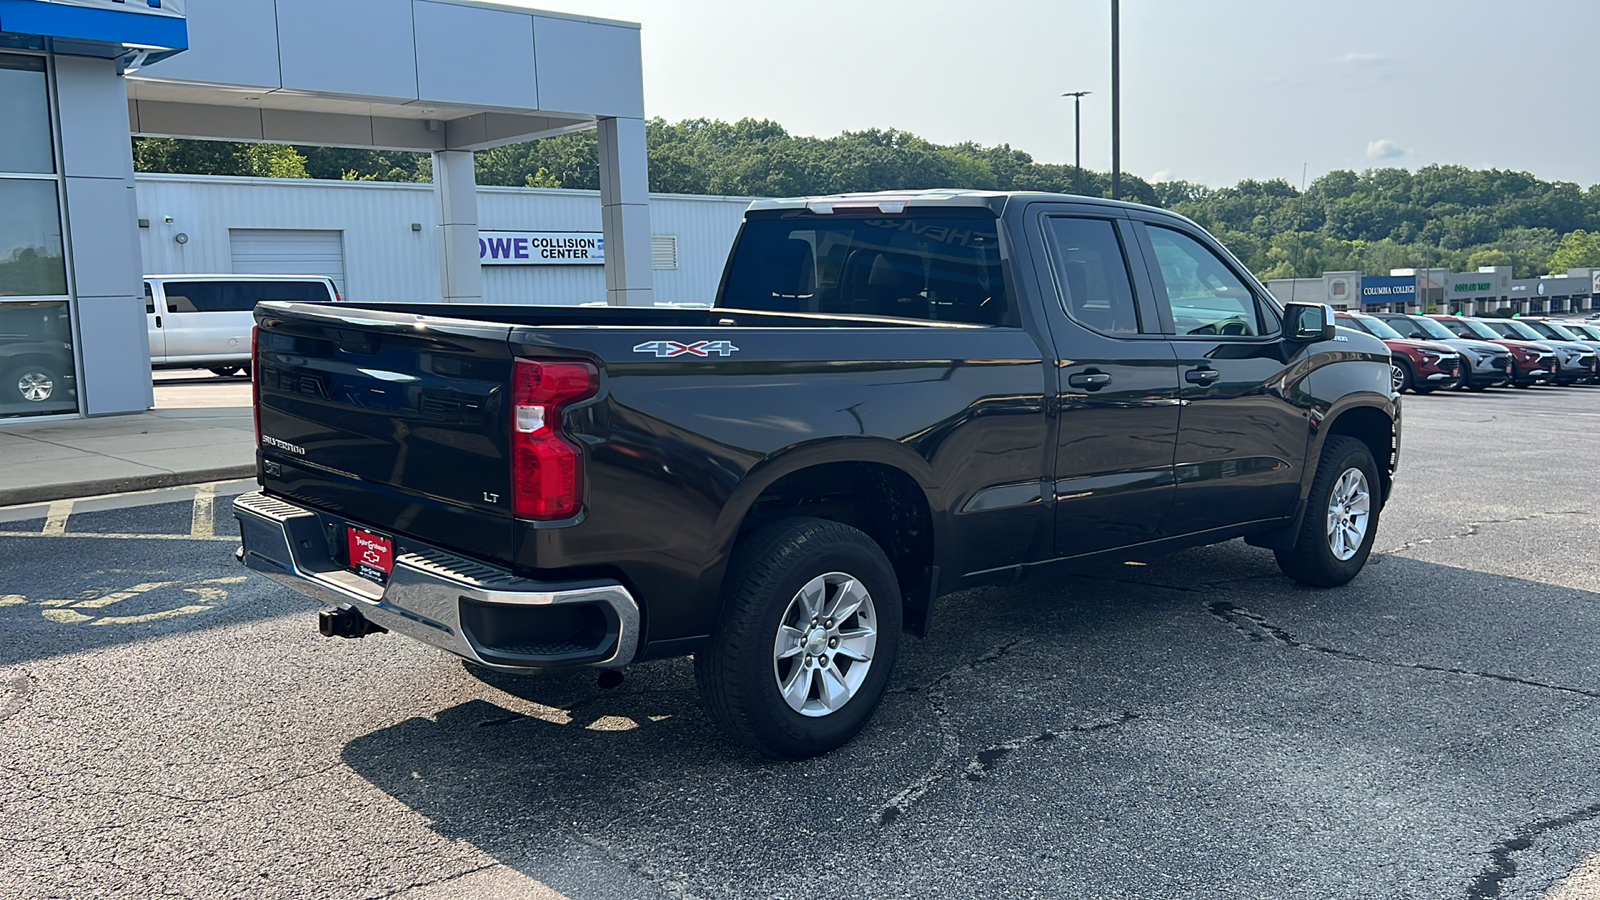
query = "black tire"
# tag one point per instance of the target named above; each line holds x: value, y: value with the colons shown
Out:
x: 1408, y: 378
x: 225, y: 371
x: 1425, y: 390
x: 738, y: 671
x: 31, y: 383
x: 1312, y: 560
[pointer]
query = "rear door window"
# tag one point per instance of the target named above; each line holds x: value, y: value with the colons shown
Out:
x: 1090, y: 269
x: 939, y: 267
x: 240, y: 296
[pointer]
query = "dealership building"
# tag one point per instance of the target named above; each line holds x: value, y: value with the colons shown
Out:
x: 1490, y: 290
x: 446, y: 77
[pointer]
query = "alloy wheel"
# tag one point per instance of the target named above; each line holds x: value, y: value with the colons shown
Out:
x: 825, y: 644
x: 1349, y: 510
x: 35, y: 386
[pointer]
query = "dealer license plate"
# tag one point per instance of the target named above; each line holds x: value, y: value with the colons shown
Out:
x: 371, y: 555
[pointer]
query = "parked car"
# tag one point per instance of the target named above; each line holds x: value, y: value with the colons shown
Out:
x: 895, y: 396
x: 1483, y: 365
x: 1576, y: 362
x: 1552, y: 330
x: 1589, y: 330
x: 204, y: 321
x: 1420, y: 366
x: 1532, y: 362
x: 36, y: 368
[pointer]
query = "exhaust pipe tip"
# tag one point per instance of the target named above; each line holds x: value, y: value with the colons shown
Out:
x: 345, y: 622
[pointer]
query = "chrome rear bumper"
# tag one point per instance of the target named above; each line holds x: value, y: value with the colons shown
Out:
x: 476, y: 611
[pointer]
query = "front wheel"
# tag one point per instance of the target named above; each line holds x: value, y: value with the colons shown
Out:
x: 809, y: 632
x: 32, y: 383
x: 1341, y: 517
x: 1404, y: 378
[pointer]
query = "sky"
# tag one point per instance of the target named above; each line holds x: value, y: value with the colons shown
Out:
x: 1213, y: 91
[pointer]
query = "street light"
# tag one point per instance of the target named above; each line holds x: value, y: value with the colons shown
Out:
x: 1116, y: 101
x: 1077, y: 133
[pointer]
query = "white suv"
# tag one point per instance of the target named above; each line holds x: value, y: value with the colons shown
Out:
x: 204, y: 321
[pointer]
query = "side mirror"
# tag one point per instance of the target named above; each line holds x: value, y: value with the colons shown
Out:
x: 1307, y: 322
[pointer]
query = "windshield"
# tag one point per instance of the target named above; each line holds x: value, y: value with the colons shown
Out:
x: 1479, y: 329
x: 1521, y: 330
x: 1563, y: 332
x: 1588, y: 332
x: 942, y: 265
x: 1378, y: 328
x: 1433, y: 329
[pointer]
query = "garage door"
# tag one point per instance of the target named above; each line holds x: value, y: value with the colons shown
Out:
x: 271, y: 251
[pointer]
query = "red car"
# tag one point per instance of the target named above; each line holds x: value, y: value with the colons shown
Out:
x: 1530, y: 362
x: 1421, y: 366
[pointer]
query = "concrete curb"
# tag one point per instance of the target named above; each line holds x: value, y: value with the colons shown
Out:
x: 45, y: 493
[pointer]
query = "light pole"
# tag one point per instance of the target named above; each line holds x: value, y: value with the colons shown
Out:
x: 1116, y: 101
x: 1077, y: 134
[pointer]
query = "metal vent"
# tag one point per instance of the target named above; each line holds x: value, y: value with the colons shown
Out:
x: 664, y: 251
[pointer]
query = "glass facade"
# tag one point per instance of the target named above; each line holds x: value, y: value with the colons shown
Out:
x: 36, y: 360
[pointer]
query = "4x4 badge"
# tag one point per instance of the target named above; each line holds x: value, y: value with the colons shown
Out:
x: 666, y: 349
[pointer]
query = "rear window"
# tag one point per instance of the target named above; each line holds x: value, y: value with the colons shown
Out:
x: 940, y: 267
x: 240, y: 296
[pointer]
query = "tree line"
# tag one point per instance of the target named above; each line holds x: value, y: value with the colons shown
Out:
x: 1371, y: 221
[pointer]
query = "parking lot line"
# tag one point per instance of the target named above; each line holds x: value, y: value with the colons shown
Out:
x: 55, y: 522
x: 204, y: 498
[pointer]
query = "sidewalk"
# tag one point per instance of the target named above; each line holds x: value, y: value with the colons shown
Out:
x: 46, y: 461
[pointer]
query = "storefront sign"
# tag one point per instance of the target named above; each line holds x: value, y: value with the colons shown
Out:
x: 151, y: 7
x: 1389, y: 289
x: 1474, y: 287
x: 1596, y: 282
x: 541, y: 248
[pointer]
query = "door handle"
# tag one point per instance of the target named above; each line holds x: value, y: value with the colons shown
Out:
x: 158, y: 321
x: 1090, y: 381
x: 1201, y: 376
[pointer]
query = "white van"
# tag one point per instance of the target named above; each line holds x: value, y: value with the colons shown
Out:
x: 204, y: 321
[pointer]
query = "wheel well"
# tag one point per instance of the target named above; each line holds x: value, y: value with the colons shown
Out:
x: 1374, y: 428
x: 880, y: 500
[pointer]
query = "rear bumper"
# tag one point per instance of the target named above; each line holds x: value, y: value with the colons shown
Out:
x: 472, y: 610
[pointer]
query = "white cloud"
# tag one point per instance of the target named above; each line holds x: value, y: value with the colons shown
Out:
x: 1163, y: 175
x: 1384, y: 149
x: 1362, y: 59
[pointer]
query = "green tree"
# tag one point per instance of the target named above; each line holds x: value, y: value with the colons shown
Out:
x: 1578, y: 250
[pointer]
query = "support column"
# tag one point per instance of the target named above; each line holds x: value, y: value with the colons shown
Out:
x: 455, y: 185
x: 113, y: 343
x: 625, y: 212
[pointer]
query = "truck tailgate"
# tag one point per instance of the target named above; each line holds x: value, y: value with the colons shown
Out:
x: 389, y: 420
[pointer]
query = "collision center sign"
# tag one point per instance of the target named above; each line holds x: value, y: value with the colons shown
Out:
x: 541, y: 248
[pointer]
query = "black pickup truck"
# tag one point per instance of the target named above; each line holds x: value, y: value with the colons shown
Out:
x: 896, y: 396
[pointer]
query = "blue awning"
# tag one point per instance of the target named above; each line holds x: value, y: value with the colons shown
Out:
x: 104, y: 26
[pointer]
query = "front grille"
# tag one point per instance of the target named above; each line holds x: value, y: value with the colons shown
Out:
x: 1449, y: 366
x: 1501, y: 362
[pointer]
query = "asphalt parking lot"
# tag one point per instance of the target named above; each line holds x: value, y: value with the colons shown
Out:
x: 1188, y: 726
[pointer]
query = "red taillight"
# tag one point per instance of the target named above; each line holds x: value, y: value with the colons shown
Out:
x: 255, y: 378
x: 546, y: 468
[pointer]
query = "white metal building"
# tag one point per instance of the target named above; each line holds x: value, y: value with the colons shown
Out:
x: 376, y: 240
x: 446, y: 77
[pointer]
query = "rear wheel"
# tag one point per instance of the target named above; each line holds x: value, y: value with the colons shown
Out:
x: 225, y: 371
x: 809, y: 632
x: 1341, y: 517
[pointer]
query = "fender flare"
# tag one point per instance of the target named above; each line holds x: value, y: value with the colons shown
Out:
x: 798, y: 457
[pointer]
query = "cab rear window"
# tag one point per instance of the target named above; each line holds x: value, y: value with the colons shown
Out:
x: 912, y: 266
